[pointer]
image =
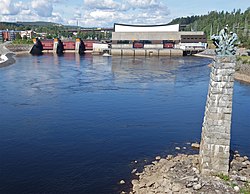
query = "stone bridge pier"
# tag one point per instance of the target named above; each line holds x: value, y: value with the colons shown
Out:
x: 216, y: 128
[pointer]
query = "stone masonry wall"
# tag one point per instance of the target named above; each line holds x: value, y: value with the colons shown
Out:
x: 19, y: 48
x: 215, y: 138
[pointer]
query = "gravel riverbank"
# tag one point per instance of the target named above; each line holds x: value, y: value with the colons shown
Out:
x: 180, y: 174
x: 242, y: 71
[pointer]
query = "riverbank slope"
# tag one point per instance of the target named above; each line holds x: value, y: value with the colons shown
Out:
x: 243, y: 69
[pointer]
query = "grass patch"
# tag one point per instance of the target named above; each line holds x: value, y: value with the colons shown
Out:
x: 244, y: 59
x: 223, y: 177
x: 245, y: 189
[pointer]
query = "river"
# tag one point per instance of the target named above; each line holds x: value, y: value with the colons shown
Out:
x: 75, y: 124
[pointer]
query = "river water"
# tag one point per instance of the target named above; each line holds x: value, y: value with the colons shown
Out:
x: 74, y: 124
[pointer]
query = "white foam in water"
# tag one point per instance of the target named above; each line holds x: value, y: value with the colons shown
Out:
x: 3, y: 58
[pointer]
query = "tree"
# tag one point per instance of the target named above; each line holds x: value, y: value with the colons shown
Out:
x: 49, y: 36
x: 18, y: 36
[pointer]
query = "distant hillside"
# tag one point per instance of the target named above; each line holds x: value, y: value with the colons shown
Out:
x: 38, y: 26
x: 214, y: 21
x: 37, y: 23
x: 23, y: 25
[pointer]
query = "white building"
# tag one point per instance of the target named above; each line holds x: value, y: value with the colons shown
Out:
x: 28, y: 33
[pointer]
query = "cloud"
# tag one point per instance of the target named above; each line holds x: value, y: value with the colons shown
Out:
x: 43, y: 8
x: 101, y: 4
x: 88, y: 13
x: 77, y: 14
x: 8, y: 7
x: 101, y: 13
x: 142, y: 4
x: 56, y: 18
x: 38, y: 10
x: 106, y: 12
x: 124, y: 5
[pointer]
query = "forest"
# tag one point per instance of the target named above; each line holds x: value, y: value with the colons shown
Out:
x: 214, y: 21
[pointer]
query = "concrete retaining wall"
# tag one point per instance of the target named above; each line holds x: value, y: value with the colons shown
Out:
x: 146, y: 52
x: 153, y: 46
x: 122, y: 46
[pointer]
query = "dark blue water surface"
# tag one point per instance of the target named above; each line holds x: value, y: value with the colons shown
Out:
x: 73, y: 124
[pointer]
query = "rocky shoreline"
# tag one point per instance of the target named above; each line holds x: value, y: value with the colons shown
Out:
x: 180, y: 174
x: 242, y: 71
x: 242, y: 77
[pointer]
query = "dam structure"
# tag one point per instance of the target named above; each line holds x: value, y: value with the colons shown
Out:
x: 156, y: 40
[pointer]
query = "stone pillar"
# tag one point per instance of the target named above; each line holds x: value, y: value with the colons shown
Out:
x: 215, y: 137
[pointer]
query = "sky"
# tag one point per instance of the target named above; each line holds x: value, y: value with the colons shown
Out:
x: 104, y: 13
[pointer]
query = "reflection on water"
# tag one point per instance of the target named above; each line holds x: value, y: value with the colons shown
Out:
x: 73, y: 124
x: 141, y: 69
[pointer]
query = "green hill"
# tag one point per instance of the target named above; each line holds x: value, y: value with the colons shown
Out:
x: 214, y: 21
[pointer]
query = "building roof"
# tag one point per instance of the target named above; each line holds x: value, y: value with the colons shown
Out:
x: 146, y: 28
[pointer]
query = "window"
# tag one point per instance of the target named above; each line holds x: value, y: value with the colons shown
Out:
x: 123, y: 42
x: 147, y: 42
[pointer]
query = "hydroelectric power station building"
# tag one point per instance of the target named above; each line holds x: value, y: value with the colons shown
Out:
x: 156, y: 40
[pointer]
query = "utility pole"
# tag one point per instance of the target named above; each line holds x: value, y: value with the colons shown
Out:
x: 245, y: 27
x: 211, y: 30
x: 218, y: 27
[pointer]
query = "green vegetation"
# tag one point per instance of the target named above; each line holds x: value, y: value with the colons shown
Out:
x: 27, y: 25
x: 212, y: 23
x: 223, y: 177
x: 245, y: 189
x: 24, y: 41
x: 244, y: 59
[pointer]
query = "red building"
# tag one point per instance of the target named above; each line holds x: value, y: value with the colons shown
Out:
x: 8, y: 35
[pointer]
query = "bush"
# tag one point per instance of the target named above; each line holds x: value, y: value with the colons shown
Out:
x: 20, y: 41
x: 18, y: 36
